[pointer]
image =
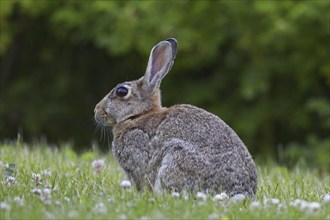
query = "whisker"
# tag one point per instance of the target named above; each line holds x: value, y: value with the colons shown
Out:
x: 108, y: 137
x: 102, y: 134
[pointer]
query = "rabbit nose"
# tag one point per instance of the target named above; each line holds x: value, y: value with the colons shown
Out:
x: 97, y: 108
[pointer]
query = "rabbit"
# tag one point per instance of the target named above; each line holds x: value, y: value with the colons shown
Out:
x: 182, y: 147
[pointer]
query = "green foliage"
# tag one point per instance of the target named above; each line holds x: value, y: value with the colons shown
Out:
x: 52, y: 183
x: 262, y: 66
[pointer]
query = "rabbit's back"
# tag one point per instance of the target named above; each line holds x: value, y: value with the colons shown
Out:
x: 203, y: 129
x: 227, y: 164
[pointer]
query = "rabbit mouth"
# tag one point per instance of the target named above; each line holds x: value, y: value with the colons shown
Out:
x: 102, y: 118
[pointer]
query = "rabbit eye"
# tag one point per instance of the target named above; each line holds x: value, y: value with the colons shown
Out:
x: 121, y: 91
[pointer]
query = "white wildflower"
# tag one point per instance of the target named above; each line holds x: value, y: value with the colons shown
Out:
x: 185, y: 195
x: 307, y: 207
x: 271, y: 201
x: 299, y: 204
x: 98, y: 166
x: 201, y: 196
x: 46, y: 173
x: 100, y: 208
x: 4, y: 206
x: 238, y: 198
x: 19, y: 200
x: 313, y: 207
x: 36, y: 191
x: 326, y: 198
x: 67, y: 199
x: 125, y: 184
x: 2, y: 164
x: 221, y: 197
x: 175, y: 194
x: 296, y: 203
x: 46, y: 193
x: 55, y: 189
x: 255, y: 205
x: 10, y: 181
x: 37, y: 178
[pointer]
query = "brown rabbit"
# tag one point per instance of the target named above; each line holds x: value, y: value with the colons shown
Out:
x: 179, y: 148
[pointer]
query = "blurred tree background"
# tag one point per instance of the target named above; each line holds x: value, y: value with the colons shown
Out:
x: 262, y: 66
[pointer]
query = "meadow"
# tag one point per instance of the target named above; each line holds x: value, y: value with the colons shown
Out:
x: 44, y: 182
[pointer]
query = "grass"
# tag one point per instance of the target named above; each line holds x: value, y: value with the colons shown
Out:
x: 74, y: 190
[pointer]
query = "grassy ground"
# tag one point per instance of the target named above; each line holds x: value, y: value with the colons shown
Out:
x: 39, y: 183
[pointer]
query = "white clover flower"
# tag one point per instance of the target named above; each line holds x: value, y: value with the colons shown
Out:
x: 19, y: 200
x: 47, y: 173
x: 46, y: 196
x: 98, y: 166
x: 296, y: 203
x: 125, y: 184
x: 37, y: 178
x: 238, y: 198
x: 10, y: 181
x: 175, y: 194
x: 271, y: 201
x: 326, y: 198
x: 2, y: 164
x: 47, y: 192
x: 36, y: 191
x: 221, y: 197
x: 201, y: 196
x: 4, y: 206
x: 55, y: 189
x: 299, y: 204
x: 100, y: 208
x: 307, y: 207
x: 313, y: 207
x: 255, y: 205
x: 185, y: 195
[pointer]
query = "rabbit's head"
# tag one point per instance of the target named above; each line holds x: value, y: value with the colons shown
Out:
x: 134, y: 98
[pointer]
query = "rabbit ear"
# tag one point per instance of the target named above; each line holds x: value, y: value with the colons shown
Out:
x: 160, y: 62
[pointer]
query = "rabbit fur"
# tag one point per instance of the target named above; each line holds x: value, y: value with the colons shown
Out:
x: 178, y: 148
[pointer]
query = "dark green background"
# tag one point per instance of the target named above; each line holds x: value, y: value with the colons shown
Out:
x: 262, y: 66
